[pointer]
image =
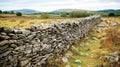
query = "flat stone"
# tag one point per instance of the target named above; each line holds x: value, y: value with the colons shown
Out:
x: 28, y: 51
x: 24, y: 62
x: 3, y: 33
x: 4, y: 54
x: 4, y: 37
x: 12, y: 41
x: 9, y: 30
x: 14, y: 37
x: 64, y: 59
x: 13, y: 45
x: 113, y: 24
x: 78, y: 61
x: 103, y: 24
x: 2, y: 43
x: 17, y: 31
x: 25, y: 32
x: 11, y: 34
x: 4, y: 47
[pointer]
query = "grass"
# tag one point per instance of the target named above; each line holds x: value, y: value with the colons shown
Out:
x: 27, y: 20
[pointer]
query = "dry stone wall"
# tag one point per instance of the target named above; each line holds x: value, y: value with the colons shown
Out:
x: 31, y: 47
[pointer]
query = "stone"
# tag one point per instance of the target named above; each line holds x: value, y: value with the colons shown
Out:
x: 11, y: 34
x: 82, y: 45
x: 4, y: 54
x: 13, y: 45
x: 94, y: 38
x: 4, y: 37
x: 14, y: 37
x: 10, y: 49
x: 20, y: 48
x: 4, y: 47
x: 24, y: 62
x: 33, y: 28
x: 99, y: 30
x: 116, y: 53
x: 2, y: 43
x: 113, y: 24
x: 79, y: 66
x: 78, y: 61
x: 64, y: 59
x: 103, y: 24
x: 9, y: 30
x: 17, y: 31
x: 68, y: 55
x: 28, y: 51
x: 3, y: 33
x: 25, y: 32
x: 30, y: 37
x: 12, y: 41
x: 67, y: 65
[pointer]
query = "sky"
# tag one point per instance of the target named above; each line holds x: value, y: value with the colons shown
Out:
x: 50, y: 5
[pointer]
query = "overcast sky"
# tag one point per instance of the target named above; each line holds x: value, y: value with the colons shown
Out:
x: 49, y: 5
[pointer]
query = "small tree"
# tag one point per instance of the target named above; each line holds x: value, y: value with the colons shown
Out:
x: 0, y: 11
x: 111, y: 14
x: 18, y: 14
x: 45, y: 15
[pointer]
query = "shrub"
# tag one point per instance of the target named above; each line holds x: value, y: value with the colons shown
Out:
x: 45, y: 15
x: 18, y: 14
x: 112, y: 37
x: 111, y: 14
x: 0, y: 11
x: 77, y: 14
x: 117, y: 13
x: 63, y: 14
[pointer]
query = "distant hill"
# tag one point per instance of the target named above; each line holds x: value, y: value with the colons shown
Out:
x: 30, y: 11
x: 108, y: 10
x: 66, y: 10
x: 27, y: 11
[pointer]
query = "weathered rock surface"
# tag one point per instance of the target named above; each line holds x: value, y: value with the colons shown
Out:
x: 32, y: 47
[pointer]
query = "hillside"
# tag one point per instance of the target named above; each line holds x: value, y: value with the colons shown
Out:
x: 108, y: 10
x: 27, y: 11
x: 66, y: 10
